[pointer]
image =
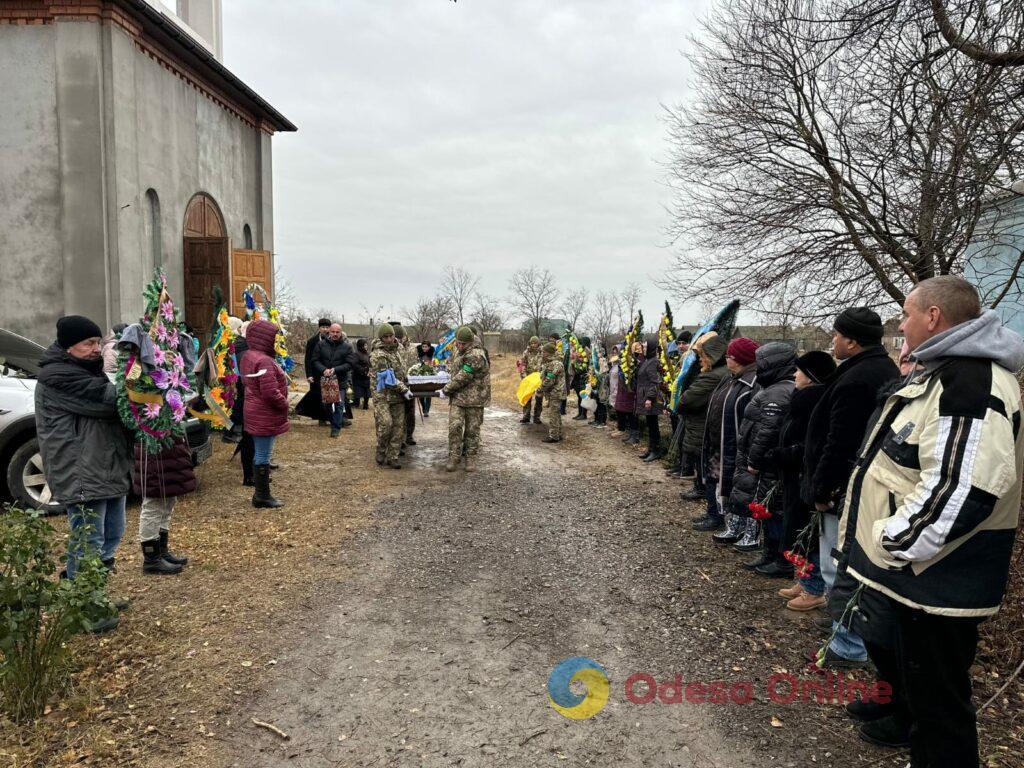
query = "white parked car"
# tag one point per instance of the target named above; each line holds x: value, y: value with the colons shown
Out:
x: 21, y: 464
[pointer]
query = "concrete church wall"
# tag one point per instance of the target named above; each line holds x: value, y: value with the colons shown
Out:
x: 90, y: 124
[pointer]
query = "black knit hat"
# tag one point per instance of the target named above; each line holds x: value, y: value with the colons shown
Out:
x: 817, y: 365
x: 75, y: 328
x: 684, y: 337
x: 861, y: 324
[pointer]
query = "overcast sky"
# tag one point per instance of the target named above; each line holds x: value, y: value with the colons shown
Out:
x: 491, y: 134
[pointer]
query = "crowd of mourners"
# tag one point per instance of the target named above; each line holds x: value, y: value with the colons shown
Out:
x: 886, y: 492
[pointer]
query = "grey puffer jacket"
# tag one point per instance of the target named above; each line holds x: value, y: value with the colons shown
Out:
x: 86, y: 452
x: 762, y: 421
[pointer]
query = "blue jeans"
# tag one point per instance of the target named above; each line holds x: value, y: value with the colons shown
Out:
x: 814, y: 584
x: 106, y: 518
x: 846, y: 643
x: 336, y: 412
x: 264, y: 448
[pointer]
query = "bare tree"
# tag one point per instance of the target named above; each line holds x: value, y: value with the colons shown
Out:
x: 629, y: 303
x: 972, y: 36
x: 283, y: 295
x: 534, y: 295
x: 488, y: 313
x: 602, y: 318
x: 574, y: 304
x: 854, y: 165
x: 459, y: 286
x: 431, y: 317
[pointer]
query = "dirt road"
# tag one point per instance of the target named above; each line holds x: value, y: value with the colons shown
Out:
x: 464, y: 592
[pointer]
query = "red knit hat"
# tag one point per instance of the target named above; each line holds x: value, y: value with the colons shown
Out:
x: 742, y: 350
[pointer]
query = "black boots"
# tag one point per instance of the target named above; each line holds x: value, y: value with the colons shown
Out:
x: 152, y: 562
x: 166, y: 554
x: 262, y: 499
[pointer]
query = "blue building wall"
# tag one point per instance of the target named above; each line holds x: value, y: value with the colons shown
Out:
x: 993, y: 254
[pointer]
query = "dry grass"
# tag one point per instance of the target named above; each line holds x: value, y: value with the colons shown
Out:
x: 161, y: 688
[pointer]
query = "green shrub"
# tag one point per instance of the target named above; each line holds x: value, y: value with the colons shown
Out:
x: 40, y: 612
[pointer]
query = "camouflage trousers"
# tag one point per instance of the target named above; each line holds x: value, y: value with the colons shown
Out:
x: 390, y: 420
x: 464, y: 431
x: 553, y: 414
x: 536, y: 404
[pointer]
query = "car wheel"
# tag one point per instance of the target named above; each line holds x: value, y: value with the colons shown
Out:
x: 26, y: 481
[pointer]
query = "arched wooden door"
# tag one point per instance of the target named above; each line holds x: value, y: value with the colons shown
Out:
x: 207, y: 262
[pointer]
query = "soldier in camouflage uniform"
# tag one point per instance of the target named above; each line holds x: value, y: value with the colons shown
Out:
x: 552, y: 387
x: 530, y: 363
x: 407, y: 352
x: 469, y: 391
x: 390, y: 394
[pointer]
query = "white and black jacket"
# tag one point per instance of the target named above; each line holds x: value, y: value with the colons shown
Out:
x: 932, y: 505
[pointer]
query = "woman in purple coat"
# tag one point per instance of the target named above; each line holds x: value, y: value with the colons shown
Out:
x: 266, y: 404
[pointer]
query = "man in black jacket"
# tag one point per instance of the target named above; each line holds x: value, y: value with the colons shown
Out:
x: 86, y: 454
x: 834, y: 434
x: 334, y: 356
x: 323, y: 325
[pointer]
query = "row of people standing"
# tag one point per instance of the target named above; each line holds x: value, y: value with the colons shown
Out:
x: 896, y: 498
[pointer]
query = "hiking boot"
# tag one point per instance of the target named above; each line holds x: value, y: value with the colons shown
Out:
x: 823, y: 624
x: 634, y: 438
x: 708, y: 523
x: 581, y: 417
x: 763, y: 557
x: 692, y: 494
x: 524, y: 420
x: 451, y: 465
x: 733, y: 531
x: 536, y: 420
x: 410, y: 441
x: 748, y: 542
x: 643, y: 456
x: 106, y: 624
x: 152, y: 562
x: 335, y: 431
x: 380, y: 456
x: 805, y: 602
x: 166, y: 554
x: 790, y: 592
x: 262, y: 499
x: 888, y: 731
x: 775, y: 569
x: 470, y: 463
x: 867, y: 711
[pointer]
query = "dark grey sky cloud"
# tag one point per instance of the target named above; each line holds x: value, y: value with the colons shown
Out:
x: 491, y: 134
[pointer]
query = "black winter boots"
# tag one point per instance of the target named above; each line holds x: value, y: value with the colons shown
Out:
x: 152, y: 562
x: 262, y: 499
x: 166, y: 554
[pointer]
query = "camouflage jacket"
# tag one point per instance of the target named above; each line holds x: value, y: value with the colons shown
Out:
x: 531, y: 361
x: 552, y: 378
x: 470, y: 386
x: 409, y: 356
x: 381, y: 359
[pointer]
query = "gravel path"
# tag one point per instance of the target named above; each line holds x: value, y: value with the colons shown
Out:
x: 465, y: 592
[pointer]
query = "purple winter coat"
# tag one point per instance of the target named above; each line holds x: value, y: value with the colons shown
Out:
x: 625, y: 398
x: 266, y: 387
x: 164, y: 475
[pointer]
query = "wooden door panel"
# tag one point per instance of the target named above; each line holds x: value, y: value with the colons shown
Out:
x: 247, y: 267
x: 206, y: 266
